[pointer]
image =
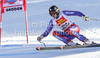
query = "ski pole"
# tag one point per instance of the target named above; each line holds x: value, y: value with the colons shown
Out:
x: 94, y: 19
x: 43, y: 43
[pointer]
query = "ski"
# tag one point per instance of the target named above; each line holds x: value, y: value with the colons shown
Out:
x: 67, y: 47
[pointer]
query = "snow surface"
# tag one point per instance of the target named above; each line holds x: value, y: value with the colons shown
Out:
x: 13, y: 30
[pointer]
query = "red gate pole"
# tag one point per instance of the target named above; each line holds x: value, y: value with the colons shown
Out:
x: 24, y: 4
x: 0, y: 28
x: 1, y: 19
x: 26, y: 26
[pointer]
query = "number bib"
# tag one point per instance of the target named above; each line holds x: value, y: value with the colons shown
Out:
x: 63, y: 23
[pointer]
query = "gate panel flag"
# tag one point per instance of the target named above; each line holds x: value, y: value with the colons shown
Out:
x: 13, y: 5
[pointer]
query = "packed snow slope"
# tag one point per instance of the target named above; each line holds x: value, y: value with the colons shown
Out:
x: 13, y: 30
x: 19, y: 51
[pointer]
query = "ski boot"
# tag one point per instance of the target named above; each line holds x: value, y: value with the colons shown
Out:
x: 88, y: 42
x: 71, y: 43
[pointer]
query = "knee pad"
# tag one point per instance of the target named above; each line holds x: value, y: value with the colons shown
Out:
x: 75, y: 28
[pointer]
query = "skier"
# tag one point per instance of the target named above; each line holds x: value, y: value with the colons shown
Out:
x: 69, y: 29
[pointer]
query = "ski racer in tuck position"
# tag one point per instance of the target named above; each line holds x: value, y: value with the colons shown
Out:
x: 69, y: 29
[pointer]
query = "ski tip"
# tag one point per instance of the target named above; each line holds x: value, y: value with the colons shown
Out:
x: 61, y: 47
x: 37, y: 48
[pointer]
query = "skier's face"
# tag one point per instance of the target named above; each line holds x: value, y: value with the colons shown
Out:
x: 54, y: 16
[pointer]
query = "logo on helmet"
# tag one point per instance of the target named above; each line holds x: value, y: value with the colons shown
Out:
x: 11, y: 1
x: 55, y: 8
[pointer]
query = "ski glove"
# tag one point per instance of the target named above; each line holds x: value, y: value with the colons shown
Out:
x: 86, y: 18
x: 40, y: 38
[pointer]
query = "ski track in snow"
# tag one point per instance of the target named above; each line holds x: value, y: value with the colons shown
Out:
x: 15, y: 50
x: 29, y: 51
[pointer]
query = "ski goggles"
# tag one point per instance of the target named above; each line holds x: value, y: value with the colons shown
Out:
x: 52, y: 13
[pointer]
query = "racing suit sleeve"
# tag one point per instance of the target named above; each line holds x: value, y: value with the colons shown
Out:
x: 49, y: 28
x: 73, y: 13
